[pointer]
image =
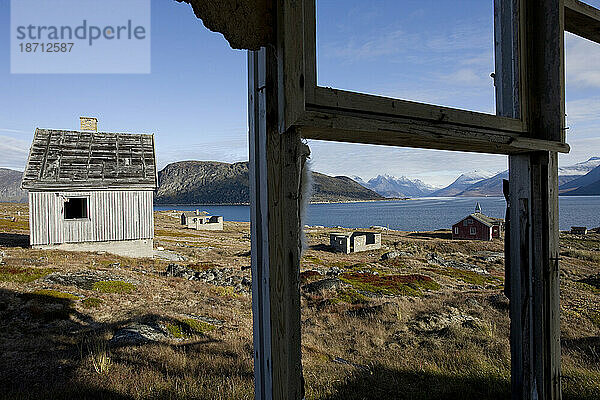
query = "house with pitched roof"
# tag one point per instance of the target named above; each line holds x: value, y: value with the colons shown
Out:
x: 478, y: 226
x: 91, y: 191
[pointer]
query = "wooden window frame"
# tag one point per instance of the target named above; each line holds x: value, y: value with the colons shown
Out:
x: 346, y: 116
x: 285, y: 104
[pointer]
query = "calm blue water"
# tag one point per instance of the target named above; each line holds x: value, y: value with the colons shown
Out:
x: 415, y: 215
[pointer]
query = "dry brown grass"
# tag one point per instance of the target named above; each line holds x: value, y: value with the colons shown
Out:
x: 356, y: 343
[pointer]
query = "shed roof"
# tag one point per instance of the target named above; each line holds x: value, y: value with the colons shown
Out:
x: 490, y: 220
x: 64, y: 160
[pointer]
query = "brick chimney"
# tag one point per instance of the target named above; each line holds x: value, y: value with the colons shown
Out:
x: 89, y: 124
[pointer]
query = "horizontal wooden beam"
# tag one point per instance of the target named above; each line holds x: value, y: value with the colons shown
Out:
x: 582, y: 20
x: 366, y: 104
x: 354, y: 127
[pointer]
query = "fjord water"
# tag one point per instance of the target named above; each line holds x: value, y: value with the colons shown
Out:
x: 414, y: 215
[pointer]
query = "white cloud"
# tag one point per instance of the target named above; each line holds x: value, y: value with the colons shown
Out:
x: 7, y: 130
x: 582, y: 61
x: 586, y: 110
x: 230, y: 149
x: 13, y: 152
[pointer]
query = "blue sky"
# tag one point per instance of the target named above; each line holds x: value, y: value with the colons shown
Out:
x: 195, y: 98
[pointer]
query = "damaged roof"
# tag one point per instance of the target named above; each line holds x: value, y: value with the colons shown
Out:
x: 64, y: 160
x: 484, y: 219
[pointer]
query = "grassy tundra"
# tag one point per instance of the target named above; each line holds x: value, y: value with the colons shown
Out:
x: 430, y: 323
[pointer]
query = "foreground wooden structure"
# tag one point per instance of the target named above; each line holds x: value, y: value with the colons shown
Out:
x: 286, y: 105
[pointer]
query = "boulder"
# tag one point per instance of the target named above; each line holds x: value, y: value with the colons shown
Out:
x: 138, y: 333
x: 438, y: 322
x: 324, y: 284
x: 394, y: 254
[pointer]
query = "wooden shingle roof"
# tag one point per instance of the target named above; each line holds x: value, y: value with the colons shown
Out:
x: 73, y: 160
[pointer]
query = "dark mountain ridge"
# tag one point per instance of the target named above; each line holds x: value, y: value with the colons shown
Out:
x: 10, y: 186
x: 211, y: 182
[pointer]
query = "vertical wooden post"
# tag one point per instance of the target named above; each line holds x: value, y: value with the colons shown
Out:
x: 275, y: 174
x: 530, y: 85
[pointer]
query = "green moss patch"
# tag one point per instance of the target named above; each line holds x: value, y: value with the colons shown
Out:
x: 9, y: 224
x: 22, y: 274
x: 188, y: 327
x: 198, y: 327
x: 56, y: 294
x: 407, y: 285
x: 225, y: 291
x: 114, y: 287
x: 467, y: 276
x: 203, y: 266
x: 92, y: 302
x: 349, y: 296
x: 313, y: 260
x: 175, y: 330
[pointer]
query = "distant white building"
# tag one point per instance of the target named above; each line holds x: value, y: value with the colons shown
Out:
x: 202, y: 221
x: 353, y: 242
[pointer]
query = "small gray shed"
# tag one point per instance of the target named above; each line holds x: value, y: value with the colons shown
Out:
x: 91, y: 191
x: 353, y: 242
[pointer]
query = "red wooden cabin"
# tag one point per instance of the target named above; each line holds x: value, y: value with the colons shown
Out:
x: 477, y: 226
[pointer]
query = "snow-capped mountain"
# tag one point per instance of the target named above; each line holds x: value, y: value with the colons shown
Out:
x: 589, y: 184
x: 487, y: 187
x: 391, y: 186
x: 462, y: 183
x: 581, y: 168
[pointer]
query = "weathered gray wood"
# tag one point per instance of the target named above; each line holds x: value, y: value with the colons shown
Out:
x: 112, y: 216
x: 542, y: 99
x: 414, y: 132
x: 310, y: 50
x: 535, y: 89
x: 506, y: 44
x: 73, y: 160
x: 259, y: 225
x: 290, y: 61
x: 582, y: 19
x: 369, y: 105
x: 275, y: 165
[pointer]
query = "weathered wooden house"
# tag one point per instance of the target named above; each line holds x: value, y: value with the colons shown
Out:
x: 477, y: 226
x: 91, y: 191
x: 201, y: 221
x: 353, y: 242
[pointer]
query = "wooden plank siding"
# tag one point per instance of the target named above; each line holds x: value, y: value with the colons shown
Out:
x: 112, y: 216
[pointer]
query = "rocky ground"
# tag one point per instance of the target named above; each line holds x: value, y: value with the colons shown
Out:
x: 422, y: 318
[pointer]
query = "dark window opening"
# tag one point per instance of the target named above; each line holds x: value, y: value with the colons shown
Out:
x: 370, y: 239
x: 76, y: 208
